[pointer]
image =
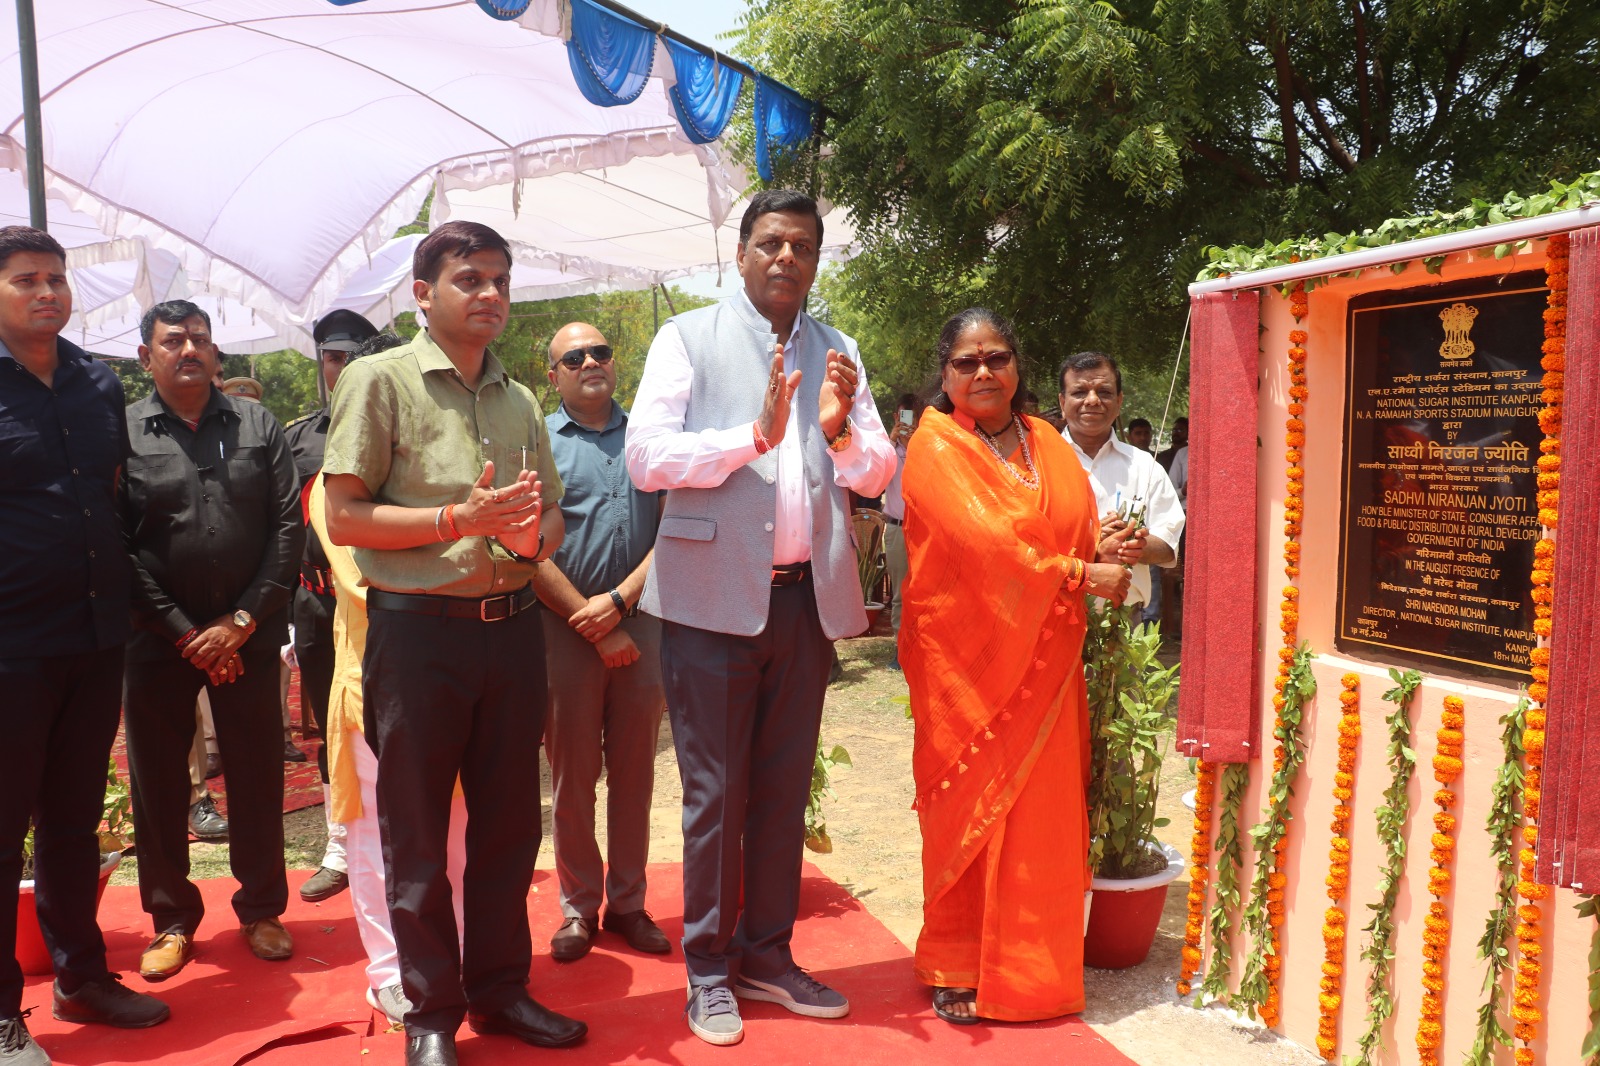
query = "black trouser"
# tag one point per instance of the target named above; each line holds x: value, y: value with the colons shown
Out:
x: 59, y: 718
x: 449, y: 696
x: 312, y: 615
x: 745, y: 715
x: 159, y: 697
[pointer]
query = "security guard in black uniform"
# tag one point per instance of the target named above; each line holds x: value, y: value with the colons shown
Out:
x: 337, y: 334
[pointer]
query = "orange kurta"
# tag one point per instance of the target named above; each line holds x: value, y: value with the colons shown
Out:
x: 992, y: 646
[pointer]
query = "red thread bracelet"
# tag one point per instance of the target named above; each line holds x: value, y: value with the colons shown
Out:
x: 450, y: 520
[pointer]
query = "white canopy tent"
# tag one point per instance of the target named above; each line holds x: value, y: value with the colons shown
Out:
x: 269, y: 148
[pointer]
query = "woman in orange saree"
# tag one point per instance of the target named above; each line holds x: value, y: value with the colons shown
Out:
x: 1001, y: 531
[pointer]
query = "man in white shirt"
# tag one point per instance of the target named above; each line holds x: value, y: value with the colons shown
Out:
x: 894, y: 512
x: 1128, y: 482
x: 755, y: 418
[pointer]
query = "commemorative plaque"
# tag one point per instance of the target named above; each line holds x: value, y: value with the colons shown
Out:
x: 1441, y: 440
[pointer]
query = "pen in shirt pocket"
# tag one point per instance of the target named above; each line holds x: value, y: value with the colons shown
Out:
x: 219, y: 451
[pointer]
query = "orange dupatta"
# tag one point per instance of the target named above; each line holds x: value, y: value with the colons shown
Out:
x: 988, y: 640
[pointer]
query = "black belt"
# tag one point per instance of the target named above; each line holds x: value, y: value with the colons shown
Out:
x: 318, y: 579
x: 892, y: 521
x: 792, y: 574
x: 490, y: 609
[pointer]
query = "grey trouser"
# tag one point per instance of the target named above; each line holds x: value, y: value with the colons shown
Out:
x: 611, y: 718
x: 745, y: 716
x: 894, y: 551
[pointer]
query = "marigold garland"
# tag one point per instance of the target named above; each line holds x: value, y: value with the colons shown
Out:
x: 1527, y: 1010
x: 1199, y: 875
x: 1259, y: 988
x: 1436, y: 927
x: 1334, y: 921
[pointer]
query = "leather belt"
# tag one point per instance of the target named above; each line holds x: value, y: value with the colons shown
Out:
x: 892, y: 521
x: 318, y: 579
x: 490, y: 609
x: 792, y: 574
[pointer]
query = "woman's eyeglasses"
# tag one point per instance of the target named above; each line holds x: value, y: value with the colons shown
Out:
x: 967, y: 365
x: 573, y: 359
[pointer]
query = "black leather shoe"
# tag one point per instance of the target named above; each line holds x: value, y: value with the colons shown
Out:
x: 432, y: 1049
x: 637, y: 928
x: 572, y: 940
x: 109, y: 1002
x: 292, y: 753
x: 530, y: 1023
x: 206, y: 822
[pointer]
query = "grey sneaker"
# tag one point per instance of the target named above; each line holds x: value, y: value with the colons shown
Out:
x: 796, y: 991
x: 16, y: 1043
x: 391, y: 1002
x: 714, y: 1015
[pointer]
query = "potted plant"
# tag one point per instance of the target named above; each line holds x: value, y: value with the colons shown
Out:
x: 1129, y: 728
x: 116, y: 831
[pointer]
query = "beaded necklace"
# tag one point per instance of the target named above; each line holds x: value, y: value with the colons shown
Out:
x: 1031, y: 481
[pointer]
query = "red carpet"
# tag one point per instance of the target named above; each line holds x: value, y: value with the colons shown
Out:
x: 229, y: 1007
x: 302, y: 785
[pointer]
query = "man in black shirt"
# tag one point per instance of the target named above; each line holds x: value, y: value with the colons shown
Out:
x: 336, y: 334
x: 64, y: 584
x: 211, y: 513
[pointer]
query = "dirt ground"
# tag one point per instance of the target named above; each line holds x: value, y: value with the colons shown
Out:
x: 877, y: 857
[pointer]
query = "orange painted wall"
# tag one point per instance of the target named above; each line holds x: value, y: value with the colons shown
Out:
x: 1567, y: 937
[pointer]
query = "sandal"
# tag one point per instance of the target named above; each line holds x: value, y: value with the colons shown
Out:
x: 943, y: 998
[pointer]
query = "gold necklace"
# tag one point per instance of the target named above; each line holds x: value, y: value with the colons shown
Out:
x: 1031, y: 481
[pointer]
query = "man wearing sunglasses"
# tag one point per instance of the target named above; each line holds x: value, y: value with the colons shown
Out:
x: 756, y: 419
x: 604, y: 658
x: 337, y: 334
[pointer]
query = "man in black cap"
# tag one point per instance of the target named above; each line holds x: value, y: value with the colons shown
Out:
x: 337, y: 334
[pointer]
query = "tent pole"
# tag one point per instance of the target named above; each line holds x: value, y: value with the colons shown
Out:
x: 28, y: 56
x: 655, y: 306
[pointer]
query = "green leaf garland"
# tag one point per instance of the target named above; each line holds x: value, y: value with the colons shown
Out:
x: 1503, y: 822
x: 1228, y: 853
x: 1391, y: 816
x: 1258, y: 988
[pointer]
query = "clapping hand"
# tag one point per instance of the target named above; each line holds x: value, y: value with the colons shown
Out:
x: 775, y: 408
x: 505, y: 512
x: 838, y: 394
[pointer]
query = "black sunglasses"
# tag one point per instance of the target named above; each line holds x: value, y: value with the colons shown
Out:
x: 574, y: 359
x: 967, y: 365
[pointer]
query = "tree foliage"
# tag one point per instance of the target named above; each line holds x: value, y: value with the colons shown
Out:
x: 1068, y: 162
x: 628, y: 320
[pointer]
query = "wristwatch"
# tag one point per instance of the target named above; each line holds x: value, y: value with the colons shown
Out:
x: 841, y: 440
x: 242, y: 619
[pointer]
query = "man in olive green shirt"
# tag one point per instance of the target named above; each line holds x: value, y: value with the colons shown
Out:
x: 439, y: 476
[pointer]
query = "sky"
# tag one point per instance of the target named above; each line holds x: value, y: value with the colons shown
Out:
x: 702, y: 20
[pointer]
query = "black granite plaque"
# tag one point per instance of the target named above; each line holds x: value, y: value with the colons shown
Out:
x: 1440, y: 513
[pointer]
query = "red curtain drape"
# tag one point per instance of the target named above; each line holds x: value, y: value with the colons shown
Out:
x: 1218, y: 715
x: 1569, y: 822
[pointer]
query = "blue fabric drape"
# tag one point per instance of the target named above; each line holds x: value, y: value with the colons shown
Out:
x: 611, y: 56
x: 706, y: 92
x: 504, y: 10
x: 784, y: 119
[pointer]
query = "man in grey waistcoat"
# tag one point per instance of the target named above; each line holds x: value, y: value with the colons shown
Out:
x: 756, y: 419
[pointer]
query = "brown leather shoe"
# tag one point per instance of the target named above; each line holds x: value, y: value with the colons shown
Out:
x: 165, y: 956
x: 268, y: 939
